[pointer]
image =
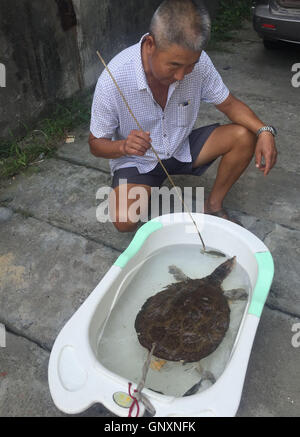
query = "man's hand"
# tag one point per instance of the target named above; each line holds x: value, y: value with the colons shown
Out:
x: 137, y: 143
x: 239, y: 113
x: 265, y: 149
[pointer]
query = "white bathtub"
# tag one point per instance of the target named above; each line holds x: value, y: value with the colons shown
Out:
x: 78, y: 379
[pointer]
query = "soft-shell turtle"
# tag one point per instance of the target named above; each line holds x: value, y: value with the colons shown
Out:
x: 188, y: 320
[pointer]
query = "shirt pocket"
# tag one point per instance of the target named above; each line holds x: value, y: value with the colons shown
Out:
x: 184, y: 114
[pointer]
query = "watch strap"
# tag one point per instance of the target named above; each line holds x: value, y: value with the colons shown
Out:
x: 270, y: 129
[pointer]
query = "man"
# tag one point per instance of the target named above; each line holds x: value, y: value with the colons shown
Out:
x: 164, y: 78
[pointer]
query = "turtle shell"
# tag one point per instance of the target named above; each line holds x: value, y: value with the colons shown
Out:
x: 187, y: 320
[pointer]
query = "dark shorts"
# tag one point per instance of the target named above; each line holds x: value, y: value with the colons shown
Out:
x: 156, y: 177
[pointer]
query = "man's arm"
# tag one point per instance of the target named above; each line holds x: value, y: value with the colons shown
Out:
x: 137, y: 143
x: 106, y: 148
x: 239, y: 113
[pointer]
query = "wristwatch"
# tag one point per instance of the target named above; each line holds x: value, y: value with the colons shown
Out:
x: 270, y: 129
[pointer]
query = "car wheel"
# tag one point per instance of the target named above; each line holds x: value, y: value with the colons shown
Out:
x: 271, y: 44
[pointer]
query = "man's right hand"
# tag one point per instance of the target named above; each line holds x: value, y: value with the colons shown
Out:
x: 137, y: 143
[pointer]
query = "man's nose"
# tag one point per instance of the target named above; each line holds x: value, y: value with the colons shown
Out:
x: 179, y: 75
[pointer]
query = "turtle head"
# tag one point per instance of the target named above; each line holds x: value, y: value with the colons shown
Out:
x: 223, y: 270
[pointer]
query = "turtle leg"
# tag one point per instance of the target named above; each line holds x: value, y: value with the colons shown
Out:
x: 206, y: 376
x: 236, y: 294
x: 177, y: 273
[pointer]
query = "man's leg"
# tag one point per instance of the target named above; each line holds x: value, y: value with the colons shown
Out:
x: 236, y: 145
x: 121, y: 205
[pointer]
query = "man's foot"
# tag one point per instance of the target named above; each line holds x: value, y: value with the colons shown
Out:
x: 222, y: 213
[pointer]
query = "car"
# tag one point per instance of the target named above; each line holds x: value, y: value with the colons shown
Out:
x: 277, y: 20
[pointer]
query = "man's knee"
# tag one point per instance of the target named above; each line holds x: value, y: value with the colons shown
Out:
x: 124, y: 227
x: 126, y: 212
x: 121, y: 221
x: 245, y: 140
x: 244, y: 134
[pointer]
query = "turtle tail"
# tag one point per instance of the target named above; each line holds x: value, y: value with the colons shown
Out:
x: 223, y: 271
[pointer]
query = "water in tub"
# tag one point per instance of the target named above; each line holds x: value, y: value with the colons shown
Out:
x: 119, y: 349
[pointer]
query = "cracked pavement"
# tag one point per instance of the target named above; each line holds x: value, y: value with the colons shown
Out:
x: 53, y: 251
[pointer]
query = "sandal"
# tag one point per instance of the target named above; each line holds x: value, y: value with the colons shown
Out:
x: 222, y: 213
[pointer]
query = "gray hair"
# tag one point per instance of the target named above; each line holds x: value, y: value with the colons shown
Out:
x: 183, y: 22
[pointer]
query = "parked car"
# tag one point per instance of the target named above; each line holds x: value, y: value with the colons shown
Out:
x: 277, y: 20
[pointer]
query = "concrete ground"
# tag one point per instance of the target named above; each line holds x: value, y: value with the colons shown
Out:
x: 53, y: 251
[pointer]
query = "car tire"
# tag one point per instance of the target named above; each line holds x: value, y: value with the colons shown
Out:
x: 271, y: 44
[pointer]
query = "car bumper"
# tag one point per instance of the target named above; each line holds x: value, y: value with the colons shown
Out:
x: 276, y: 26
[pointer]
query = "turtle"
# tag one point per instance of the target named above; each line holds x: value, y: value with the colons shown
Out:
x: 188, y: 319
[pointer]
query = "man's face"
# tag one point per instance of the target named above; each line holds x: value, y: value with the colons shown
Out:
x: 172, y: 63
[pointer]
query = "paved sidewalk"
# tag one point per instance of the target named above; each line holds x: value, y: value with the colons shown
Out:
x: 53, y: 252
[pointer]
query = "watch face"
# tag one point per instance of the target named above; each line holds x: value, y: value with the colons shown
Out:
x: 275, y: 130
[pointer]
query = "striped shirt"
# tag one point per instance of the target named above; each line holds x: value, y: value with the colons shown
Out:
x: 169, y: 128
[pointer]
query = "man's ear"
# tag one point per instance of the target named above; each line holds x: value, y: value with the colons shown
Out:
x: 150, y: 43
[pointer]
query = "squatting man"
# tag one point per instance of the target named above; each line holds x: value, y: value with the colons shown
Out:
x: 164, y: 78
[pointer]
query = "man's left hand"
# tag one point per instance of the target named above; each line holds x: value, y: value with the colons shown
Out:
x: 265, y: 149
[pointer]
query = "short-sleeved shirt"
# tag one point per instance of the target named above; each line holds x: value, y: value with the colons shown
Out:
x: 169, y: 128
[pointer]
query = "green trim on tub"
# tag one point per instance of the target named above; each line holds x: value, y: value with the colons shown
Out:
x: 137, y: 242
x: 263, y: 283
